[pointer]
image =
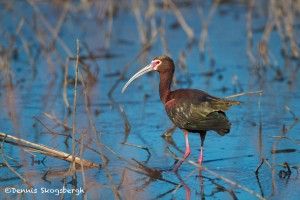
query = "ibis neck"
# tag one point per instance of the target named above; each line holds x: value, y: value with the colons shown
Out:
x: 164, y: 86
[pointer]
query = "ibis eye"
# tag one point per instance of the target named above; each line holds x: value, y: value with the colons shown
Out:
x: 155, y: 63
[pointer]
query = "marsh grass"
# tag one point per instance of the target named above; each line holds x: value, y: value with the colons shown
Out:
x: 38, y: 41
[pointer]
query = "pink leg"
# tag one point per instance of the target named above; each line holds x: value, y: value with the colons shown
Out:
x: 187, y: 151
x: 200, y: 159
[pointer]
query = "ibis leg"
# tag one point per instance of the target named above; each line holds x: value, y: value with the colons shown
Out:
x: 202, y: 135
x: 187, y: 150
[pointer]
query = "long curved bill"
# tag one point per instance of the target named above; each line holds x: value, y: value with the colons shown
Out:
x: 146, y: 69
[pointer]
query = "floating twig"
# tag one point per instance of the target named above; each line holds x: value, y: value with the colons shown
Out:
x: 45, y: 150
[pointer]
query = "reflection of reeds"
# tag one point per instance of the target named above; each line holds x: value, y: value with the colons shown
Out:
x: 96, y: 135
x: 53, y: 31
x: 222, y: 178
x: 204, y: 35
x: 47, y: 42
x: 146, y: 47
x: 8, y: 165
x: 249, y: 31
x: 181, y: 20
x: 281, y: 20
x: 142, y: 28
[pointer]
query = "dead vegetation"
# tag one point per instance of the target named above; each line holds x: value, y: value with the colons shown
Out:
x: 35, y: 50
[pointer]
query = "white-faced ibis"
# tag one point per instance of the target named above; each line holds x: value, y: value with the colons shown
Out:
x: 190, y: 110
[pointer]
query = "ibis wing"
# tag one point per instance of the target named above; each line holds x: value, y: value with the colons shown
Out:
x: 199, y: 116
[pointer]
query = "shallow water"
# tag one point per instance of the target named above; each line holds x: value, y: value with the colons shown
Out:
x: 36, y: 87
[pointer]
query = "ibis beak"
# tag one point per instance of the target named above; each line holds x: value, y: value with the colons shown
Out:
x: 146, y: 69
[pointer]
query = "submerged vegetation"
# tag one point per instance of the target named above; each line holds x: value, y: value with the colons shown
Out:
x: 62, y: 67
